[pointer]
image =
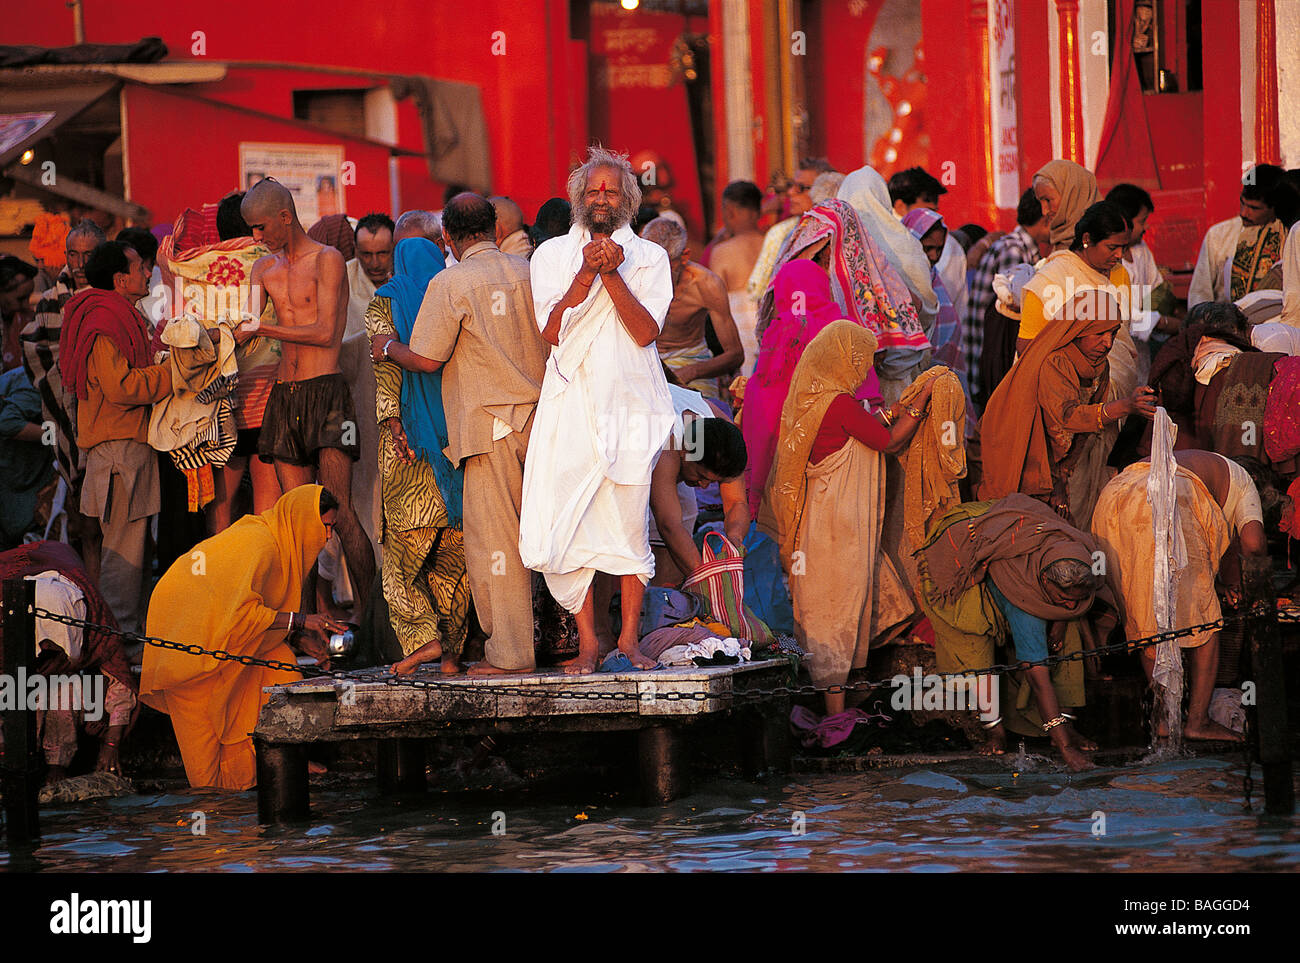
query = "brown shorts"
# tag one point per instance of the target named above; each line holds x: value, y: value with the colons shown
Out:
x: 302, y: 417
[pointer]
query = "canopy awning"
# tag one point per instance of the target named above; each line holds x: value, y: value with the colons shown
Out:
x: 33, y: 113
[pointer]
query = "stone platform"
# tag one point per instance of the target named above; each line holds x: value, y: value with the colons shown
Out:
x: 658, y: 705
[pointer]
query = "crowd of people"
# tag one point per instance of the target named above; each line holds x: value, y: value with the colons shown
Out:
x: 445, y: 428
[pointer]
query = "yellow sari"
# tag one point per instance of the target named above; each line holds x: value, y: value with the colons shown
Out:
x: 224, y: 595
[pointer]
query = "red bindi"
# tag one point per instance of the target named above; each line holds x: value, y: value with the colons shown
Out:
x: 602, y: 186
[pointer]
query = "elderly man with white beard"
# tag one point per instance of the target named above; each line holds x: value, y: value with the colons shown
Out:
x: 601, y: 295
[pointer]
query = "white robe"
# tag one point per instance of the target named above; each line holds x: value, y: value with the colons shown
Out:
x: 603, y: 416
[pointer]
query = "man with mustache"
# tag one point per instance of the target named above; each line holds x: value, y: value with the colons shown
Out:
x: 601, y: 295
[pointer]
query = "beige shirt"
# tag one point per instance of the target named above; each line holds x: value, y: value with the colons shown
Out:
x: 477, y: 317
x: 517, y: 243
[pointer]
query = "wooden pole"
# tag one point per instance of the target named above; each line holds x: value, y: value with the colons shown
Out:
x: 1267, y: 672
x: 283, y: 795
x: 21, y: 761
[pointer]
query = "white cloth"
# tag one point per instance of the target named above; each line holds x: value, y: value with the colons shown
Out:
x: 603, y: 416
x: 1209, y: 282
x: 684, y: 400
x: 1170, y: 556
x: 1276, y: 336
x: 60, y: 595
x: 1291, y: 277
x: 1242, y: 505
x: 866, y: 191
x: 952, y: 270
x: 745, y: 313
x: 704, y: 649
x: 1143, y: 270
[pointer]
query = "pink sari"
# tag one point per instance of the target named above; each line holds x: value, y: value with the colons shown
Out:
x: 804, y: 306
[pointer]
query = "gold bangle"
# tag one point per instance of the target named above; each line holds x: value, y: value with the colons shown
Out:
x: 918, y: 415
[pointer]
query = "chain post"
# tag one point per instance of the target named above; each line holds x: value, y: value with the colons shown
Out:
x: 22, y: 761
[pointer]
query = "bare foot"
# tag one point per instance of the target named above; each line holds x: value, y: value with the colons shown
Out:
x: 1076, y: 760
x: 995, y: 743
x: 1080, y: 741
x: 581, y: 665
x: 449, y: 666
x: 425, y: 653
x: 316, y: 768
x: 1210, y: 731
x: 639, y: 660
x: 487, y: 668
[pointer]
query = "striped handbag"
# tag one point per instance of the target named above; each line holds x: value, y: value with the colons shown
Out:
x: 720, y: 580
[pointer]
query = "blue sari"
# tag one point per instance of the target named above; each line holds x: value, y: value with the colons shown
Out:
x: 415, y: 262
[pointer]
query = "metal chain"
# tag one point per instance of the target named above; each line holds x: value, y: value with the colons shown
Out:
x: 356, y: 675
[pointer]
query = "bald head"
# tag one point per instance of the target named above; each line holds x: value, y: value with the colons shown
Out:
x: 267, y: 197
x: 510, y: 216
x: 272, y: 218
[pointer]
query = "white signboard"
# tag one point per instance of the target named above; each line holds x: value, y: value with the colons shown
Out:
x: 312, y: 172
x: 1002, y: 103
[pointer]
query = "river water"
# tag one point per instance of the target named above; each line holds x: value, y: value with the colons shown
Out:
x: 1184, y: 815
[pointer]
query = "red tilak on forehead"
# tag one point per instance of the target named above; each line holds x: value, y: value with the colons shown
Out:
x: 602, y: 185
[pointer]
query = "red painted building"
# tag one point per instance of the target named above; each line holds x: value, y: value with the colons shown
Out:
x: 701, y: 92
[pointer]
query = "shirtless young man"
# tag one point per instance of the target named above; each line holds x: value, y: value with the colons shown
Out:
x: 698, y: 296
x: 733, y: 259
x: 309, y: 430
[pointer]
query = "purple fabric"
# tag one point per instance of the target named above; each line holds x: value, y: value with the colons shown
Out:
x: 947, y: 338
x: 831, y: 731
x: 804, y: 306
x: 661, y: 640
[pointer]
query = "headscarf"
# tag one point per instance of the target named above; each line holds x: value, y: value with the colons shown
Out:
x: 336, y: 231
x: 866, y: 191
x: 49, y: 240
x: 1078, y: 190
x: 415, y: 262
x: 804, y: 306
x: 863, y: 283
x: 947, y: 338
x: 1013, y: 543
x: 93, y: 313
x: 834, y: 364
x: 1012, y: 426
x: 253, y: 570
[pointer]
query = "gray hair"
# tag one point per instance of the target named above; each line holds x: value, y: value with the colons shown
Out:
x: 826, y: 186
x: 629, y: 187
x: 668, y: 234
x: 1070, y: 574
x: 424, y: 224
x: 86, y: 228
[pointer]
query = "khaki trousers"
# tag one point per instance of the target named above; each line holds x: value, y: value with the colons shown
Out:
x: 121, y: 490
x: 501, y: 586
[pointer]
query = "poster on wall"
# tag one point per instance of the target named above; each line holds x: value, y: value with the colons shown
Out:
x: 1002, y: 103
x: 310, y: 171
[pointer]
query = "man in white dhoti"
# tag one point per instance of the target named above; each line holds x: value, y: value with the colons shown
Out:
x: 601, y: 295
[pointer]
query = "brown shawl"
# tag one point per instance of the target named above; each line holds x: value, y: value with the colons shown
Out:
x: 336, y: 231
x: 1013, y: 426
x: 1013, y: 543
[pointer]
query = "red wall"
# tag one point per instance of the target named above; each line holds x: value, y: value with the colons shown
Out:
x: 170, y: 169
x: 525, y: 91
